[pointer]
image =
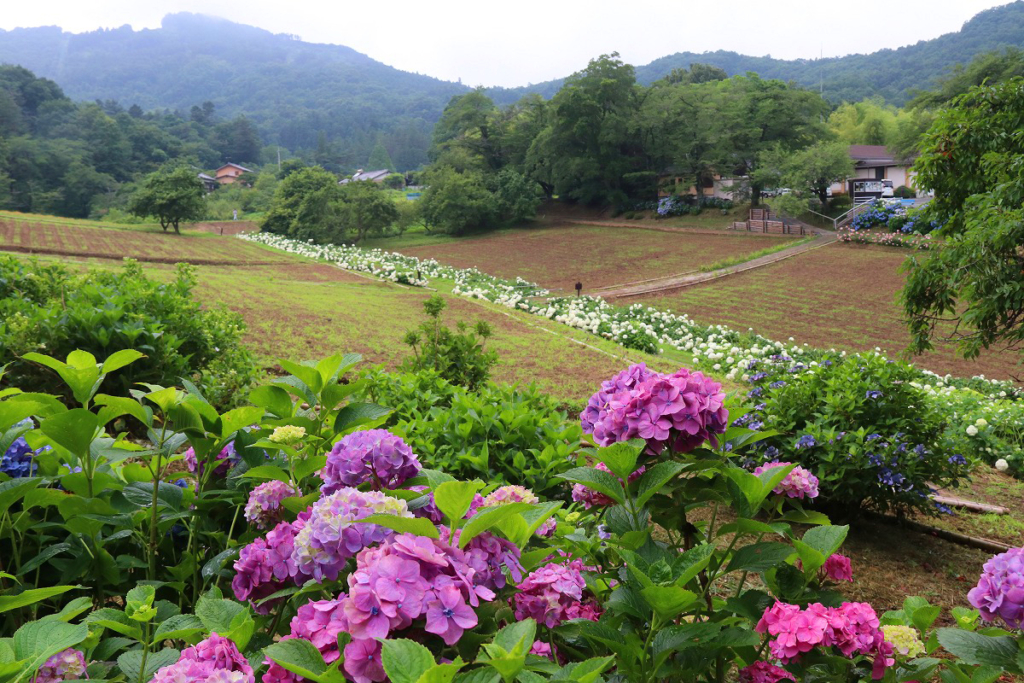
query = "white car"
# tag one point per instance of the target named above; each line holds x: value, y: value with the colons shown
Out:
x: 887, y: 188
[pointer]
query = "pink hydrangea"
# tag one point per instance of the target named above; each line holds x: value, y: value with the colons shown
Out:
x: 66, y: 665
x: 554, y: 594
x: 541, y: 649
x: 320, y: 622
x: 679, y: 411
x: 226, y: 460
x: 795, y: 631
x: 763, y: 672
x: 1000, y: 589
x: 214, y: 660
x: 799, y: 483
x: 837, y: 568
x: 375, y: 456
x: 332, y: 534
x: 591, y: 498
x: 264, y: 506
x: 266, y: 565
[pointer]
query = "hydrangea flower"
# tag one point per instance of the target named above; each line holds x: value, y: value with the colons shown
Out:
x: 763, y: 672
x: 226, y: 460
x: 430, y: 510
x: 214, y: 660
x: 1002, y: 465
x: 376, y: 456
x: 288, y: 434
x: 66, y: 665
x: 837, y: 568
x: 679, y: 411
x: 1000, y: 589
x: 591, y: 498
x: 904, y: 639
x: 332, y: 534
x: 17, y: 462
x: 264, y: 506
x: 799, y: 483
x: 320, y: 622
x: 266, y: 565
x: 554, y: 594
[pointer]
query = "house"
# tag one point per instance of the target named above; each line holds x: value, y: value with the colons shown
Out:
x: 372, y: 176
x: 873, y: 163
x: 229, y: 173
x: 209, y: 182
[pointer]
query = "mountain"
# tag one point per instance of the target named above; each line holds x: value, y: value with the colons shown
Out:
x: 892, y: 74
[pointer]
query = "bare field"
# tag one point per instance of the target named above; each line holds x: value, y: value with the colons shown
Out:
x: 841, y: 296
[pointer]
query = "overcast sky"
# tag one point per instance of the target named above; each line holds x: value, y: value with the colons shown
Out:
x: 527, y: 41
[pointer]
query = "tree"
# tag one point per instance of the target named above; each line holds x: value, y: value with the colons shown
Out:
x: 811, y: 170
x: 456, y: 202
x: 305, y: 205
x: 366, y: 209
x: 380, y: 159
x: 169, y: 196
x: 516, y: 197
x: 970, y: 287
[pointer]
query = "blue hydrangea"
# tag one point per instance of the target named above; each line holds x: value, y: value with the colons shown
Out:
x: 806, y: 441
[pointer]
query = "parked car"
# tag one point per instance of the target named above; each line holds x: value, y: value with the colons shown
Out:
x: 887, y: 188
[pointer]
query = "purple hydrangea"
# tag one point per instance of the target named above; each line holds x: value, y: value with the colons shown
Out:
x: 1000, y: 589
x: 265, y: 566
x: 214, y: 660
x: 799, y: 483
x: 376, y: 456
x: 764, y: 672
x: 332, y: 534
x: 264, y: 506
x: 555, y: 593
x: 429, y: 510
x: 17, y: 461
x: 67, y: 665
x: 226, y: 460
x: 679, y: 411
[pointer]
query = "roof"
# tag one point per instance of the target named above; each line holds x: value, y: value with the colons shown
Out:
x: 238, y: 166
x: 867, y: 156
x: 371, y: 175
x: 203, y: 176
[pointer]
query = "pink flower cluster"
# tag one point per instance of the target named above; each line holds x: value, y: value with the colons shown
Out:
x: 679, y: 411
x: 554, y: 594
x: 852, y: 628
x: 264, y: 506
x: 266, y: 565
x: 591, y: 498
x: 763, y: 672
x: 214, y: 660
x: 376, y: 456
x: 1000, y: 589
x: 837, y: 568
x: 516, y: 494
x: 66, y: 665
x: 799, y: 483
x: 226, y: 459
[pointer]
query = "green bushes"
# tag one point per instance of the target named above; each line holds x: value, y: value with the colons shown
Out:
x: 501, y: 434
x: 861, y: 425
x: 49, y: 309
x: 459, y: 356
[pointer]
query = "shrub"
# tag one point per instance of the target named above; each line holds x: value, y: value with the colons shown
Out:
x: 47, y: 308
x: 904, y: 192
x: 458, y: 356
x: 861, y: 426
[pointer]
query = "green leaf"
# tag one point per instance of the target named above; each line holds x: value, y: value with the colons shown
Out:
x: 600, y: 481
x: 759, y: 557
x: 216, y: 563
x: 307, y: 375
x: 668, y: 601
x: 692, y: 562
x: 226, y: 617
x: 179, y: 627
x: 116, y: 406
x: 358, y: 414
x: 655, y: 478
x: 13, y: 490
x: 130, y: 663
x: 404, y: 525
x: 140, y: 493
x: 274, y: 400
x: 487, y: 518
x: 405, y: 661
x: 239, y: 418
x: 453, y: 498
x: 31, y: 596
x: 299, y: 656
x: 120, y: 359
x: 165, y: 398
x: 73, y: 430
x: 80, y: 373
x: 265, y: 472
x: 37, y: 641
x: 440, y: 673
x: 826, y: 539
x: 978, y: 649
x: 518, y: 635
x: 621, y: 457
x: 116, y: 621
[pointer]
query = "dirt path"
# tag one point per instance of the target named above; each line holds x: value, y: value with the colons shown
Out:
x: 674, y: 282
x: 667, y: 228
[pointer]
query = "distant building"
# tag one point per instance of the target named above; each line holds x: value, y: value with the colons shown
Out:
x: 229, y: 173
x: 209, y: 182
x: 720, y: 187
x: 874, y: 162
x: 372, y: 176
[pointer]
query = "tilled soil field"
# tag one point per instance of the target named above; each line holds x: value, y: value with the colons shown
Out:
x: 150, y: 246
x: 841, y: 296
x: 597, y: 256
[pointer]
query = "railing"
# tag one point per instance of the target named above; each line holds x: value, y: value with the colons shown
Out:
x: 851, y: 214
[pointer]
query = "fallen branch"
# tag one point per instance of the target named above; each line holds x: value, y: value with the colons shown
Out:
x: 955, y: 502
x: 962, y: 539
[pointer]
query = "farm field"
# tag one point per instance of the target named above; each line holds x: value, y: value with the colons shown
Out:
x: 559, y: 256
x: 145, y: 243
x: 840, y: 296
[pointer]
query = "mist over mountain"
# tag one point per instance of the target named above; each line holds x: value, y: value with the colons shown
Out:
x: 341, y: 103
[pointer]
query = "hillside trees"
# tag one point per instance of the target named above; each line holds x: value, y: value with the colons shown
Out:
x: 971, y: 288
x: 171, y: 196
x: 811, y: 170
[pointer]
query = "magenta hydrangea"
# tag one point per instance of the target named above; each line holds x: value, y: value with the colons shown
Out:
x: 591, y: 498
x: 763, y: 672
x: 214, y: 660
x: 799, y: 483
x: 66, y: 665
x: 332, y: 534
x: 226, y: 460
x: 852, y: 628
x: 375, y: 456
x: 838, y: 568
x: 266, y: 565
x: 555, y: 593
x: 264, y: 506
x: 1000, y: 589
x: 679, y: 411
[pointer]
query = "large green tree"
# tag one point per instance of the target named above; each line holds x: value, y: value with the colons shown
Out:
x: 171, y: 197
x: 810, y: 171
x: 366, y: 209
x: 305, y: 205
x: 970, y: 287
